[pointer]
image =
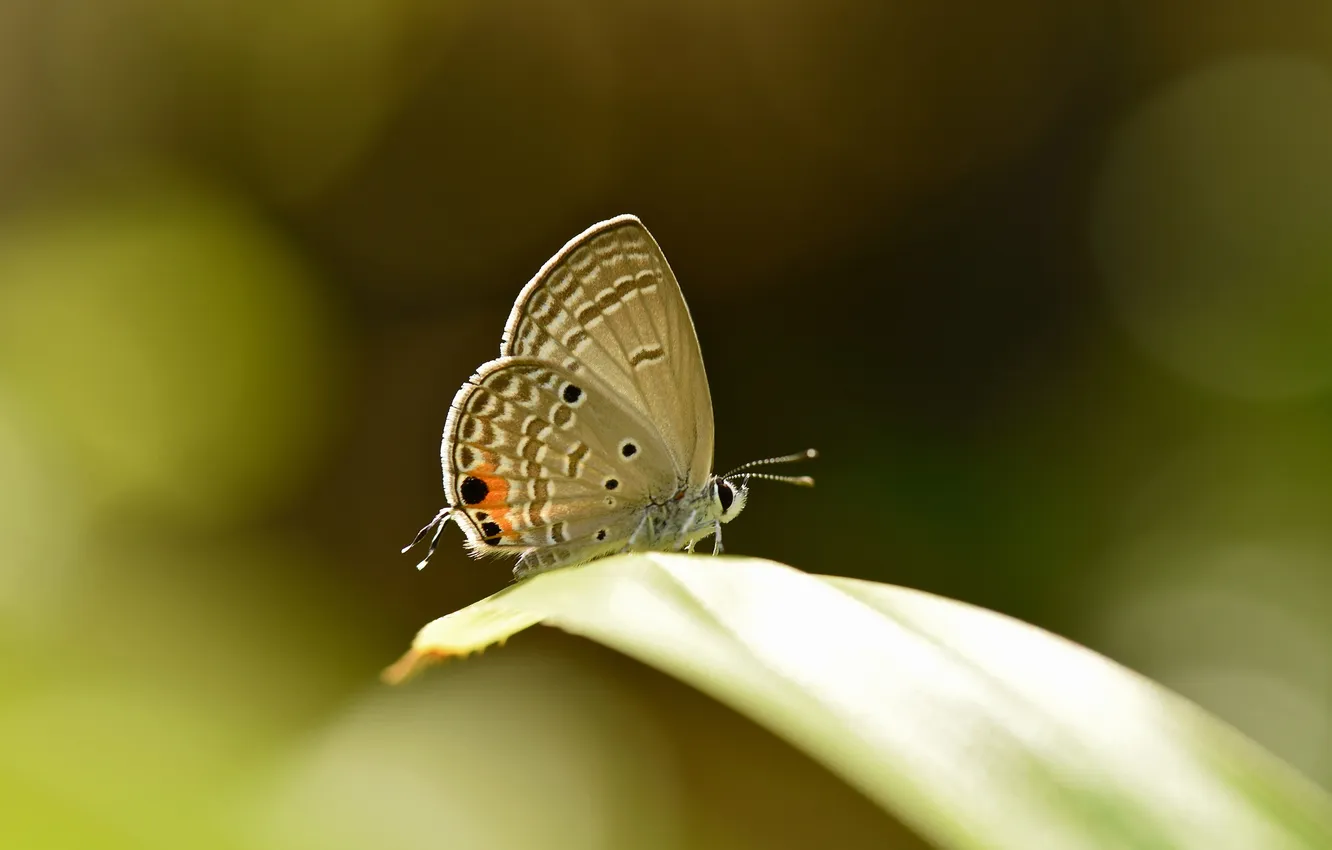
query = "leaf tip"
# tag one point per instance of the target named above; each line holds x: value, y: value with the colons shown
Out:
x: 412, y: 662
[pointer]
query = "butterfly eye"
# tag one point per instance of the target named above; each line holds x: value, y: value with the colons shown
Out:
x: 725, y: 495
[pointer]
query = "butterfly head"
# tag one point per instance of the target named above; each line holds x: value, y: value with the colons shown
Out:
x: 729, y: 497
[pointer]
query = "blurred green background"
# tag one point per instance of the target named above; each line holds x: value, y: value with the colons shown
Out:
x: 1048, y: 282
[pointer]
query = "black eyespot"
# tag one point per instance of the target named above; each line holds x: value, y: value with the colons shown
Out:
x: 480, y: 515
x: 611, y: 483
x: 629, y: 450
x: 572, y: 393
x: 473, y: 490
x: 601, y: 535
x: 726, y: 495
x: 491, y: 532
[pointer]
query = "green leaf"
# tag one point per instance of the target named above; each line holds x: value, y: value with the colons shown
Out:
x: 976, y: 730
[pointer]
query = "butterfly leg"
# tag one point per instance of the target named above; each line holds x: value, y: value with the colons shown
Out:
x: 716, y: 540
x: 638, y: 532
x: 685, y: 541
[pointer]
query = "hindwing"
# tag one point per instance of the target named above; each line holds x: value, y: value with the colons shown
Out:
x: 549, y: 464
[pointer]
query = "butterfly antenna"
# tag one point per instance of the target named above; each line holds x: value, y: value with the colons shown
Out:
x: 798, y: 480
x: 807, y: 454
x: 441, y: 519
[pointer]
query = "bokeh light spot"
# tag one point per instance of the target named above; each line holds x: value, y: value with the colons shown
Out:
x: 42, y: 520
x: 171, y: 340
x: 1213, y: 227
x: 567, y: 757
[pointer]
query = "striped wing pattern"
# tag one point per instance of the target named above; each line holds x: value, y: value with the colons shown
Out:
x: 597, y: 407
x: 609, y: 304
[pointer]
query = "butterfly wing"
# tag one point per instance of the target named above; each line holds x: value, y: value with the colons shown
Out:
x: 609, y: 305
x: 549, y: 465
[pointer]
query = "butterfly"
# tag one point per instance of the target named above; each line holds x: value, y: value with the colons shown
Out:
x: 591, y: 433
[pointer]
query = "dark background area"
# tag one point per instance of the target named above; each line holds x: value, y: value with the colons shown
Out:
x: 1048, y: 284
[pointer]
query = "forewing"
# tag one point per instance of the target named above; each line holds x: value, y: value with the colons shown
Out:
x: 535, y: 462
x: 608, y: 304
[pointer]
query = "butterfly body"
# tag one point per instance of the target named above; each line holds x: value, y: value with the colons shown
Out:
x: 592, y: 433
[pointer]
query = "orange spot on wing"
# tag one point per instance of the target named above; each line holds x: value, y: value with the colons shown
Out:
x: 496, y: 502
